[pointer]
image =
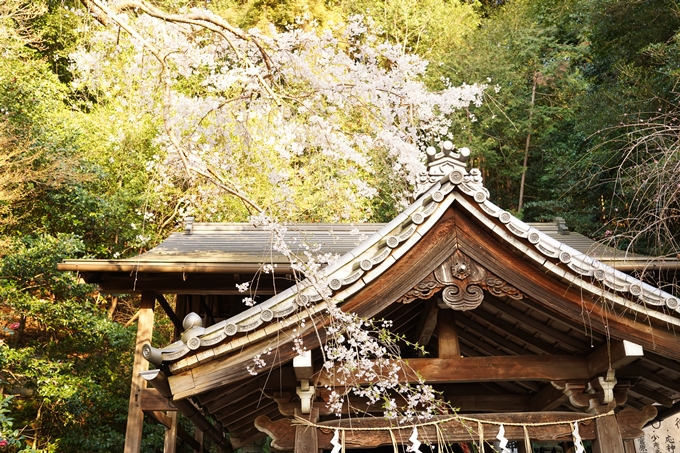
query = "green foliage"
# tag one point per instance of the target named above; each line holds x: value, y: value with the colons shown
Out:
x: 63, y: 355
x: 9, y: 436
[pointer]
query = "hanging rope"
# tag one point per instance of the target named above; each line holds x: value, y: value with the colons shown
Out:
x: 304, y: 422
x: 441, y: 438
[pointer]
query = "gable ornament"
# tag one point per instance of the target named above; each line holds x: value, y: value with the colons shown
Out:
x: 462, y: 283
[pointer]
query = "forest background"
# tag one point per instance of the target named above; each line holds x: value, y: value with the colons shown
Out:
x: 579, y: 119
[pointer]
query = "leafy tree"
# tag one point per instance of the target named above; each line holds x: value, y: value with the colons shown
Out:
x: 535, y: 72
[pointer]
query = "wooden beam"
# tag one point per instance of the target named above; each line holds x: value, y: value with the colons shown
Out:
x: 160, y: 417
x: 169, y: 311
x: 166, y: 420
x: 490, y: 403
x: 547, y: 399
x: 485, y: 332
x: 135, y: 420
x: 464, y: 403
x: 480, y: 369
x: 663, y: 362
x: 306, y: 437
x: 447, y: 337
x: 238, y: 442
x: 198, y: 436
x: 652, y: 395
x: 542, y: 328
x: 182, y: 283
x: 616, y: 354
x: 427, y: 323
x: 633, y: 371
x: 282, y: 431
x: 532, y: 342
x: 159, y: 381
x: 152, y: 400
x: 469, y: 341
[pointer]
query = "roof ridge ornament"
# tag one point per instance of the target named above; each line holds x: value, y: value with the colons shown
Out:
x: 441, y: 163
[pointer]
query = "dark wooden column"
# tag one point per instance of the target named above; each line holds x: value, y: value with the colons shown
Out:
x: 135, y: 421
x: 306, y: 437
x: 198, y: 436
x: 449, y: 348
x: 608, y: 436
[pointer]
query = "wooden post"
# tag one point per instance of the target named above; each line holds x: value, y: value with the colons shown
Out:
x: 198, y: 435
x: 170, y: 443
x: 449, y: 348
x: 608, y: 436
x: 629, y: 445
x: 306, y: 437
x: 135, y: 421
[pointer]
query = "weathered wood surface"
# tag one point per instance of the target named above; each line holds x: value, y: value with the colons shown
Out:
x: 632, y: 421
x: 152, y: 400
x: 616, y: 354
x: 547, y: 399
x: 135, y: 420
x: 432, y: 250
x: 167, y: 421
x: 608, y: 436
x: 465, y: 403
x: 170, y: 440
x: 447, y: 336
x: 487, y: 369
x: 283, y: 431
x: 558, y: 296
x: 427, y: 323
x: 307, y: 437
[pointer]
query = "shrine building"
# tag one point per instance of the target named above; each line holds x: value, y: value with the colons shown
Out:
x: 528, y: 327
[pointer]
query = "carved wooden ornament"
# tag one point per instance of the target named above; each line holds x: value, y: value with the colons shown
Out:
x: 462, y: 283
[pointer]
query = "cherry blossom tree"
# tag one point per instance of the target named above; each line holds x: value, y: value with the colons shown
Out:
x: 304, y: 123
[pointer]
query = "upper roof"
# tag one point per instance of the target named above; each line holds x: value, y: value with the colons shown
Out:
x: 229, y: 247
x: 368, y: 260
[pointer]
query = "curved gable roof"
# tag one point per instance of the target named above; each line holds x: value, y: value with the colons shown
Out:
x: 371, y: 259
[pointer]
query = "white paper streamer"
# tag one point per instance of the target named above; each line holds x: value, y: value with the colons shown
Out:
x: 415, y: 443
x: 334, y: 442
x: 503, y: 441
x: 577, y: 440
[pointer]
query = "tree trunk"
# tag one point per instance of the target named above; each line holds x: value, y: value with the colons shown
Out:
x: 526, y: 147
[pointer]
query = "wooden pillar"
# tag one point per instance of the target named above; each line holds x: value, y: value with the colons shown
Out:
x: 170, y: 443
x: 608, y: 436
x: 449, y: 348
x: 306, y: 437
x: 198, y: 435
x: 135, y: 421
x: 629, y: 445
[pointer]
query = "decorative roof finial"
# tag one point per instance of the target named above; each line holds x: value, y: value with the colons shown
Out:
x: 440, y: 164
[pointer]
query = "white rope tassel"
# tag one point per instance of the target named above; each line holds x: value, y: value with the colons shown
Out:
x: 415, y: 443
x: 503, y: 441
x: 334, y: 442
x: 577, y: 440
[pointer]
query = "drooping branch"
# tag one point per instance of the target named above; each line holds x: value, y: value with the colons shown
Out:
x: 105, y: 14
